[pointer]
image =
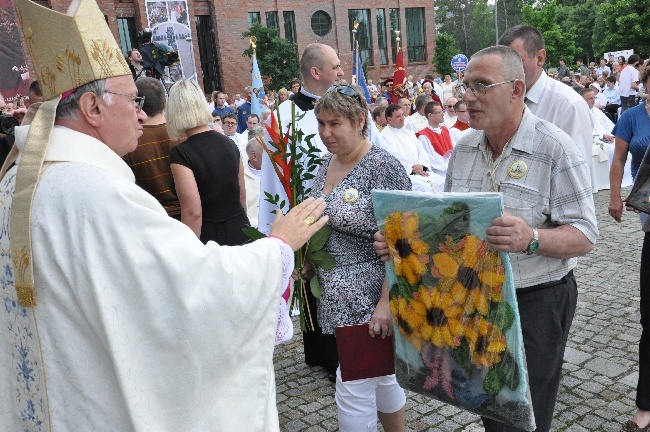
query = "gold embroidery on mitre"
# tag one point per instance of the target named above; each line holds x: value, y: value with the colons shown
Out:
x: 69, y: 51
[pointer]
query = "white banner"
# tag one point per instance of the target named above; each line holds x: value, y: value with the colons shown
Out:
x: 170, y: 24
x: 616, y: 54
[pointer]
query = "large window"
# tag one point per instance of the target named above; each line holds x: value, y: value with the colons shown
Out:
x: 381, y: 36
x: 289, y: 26
x: 415, y: 35
x: 364, y: 33
x: 126, y: 28
x: 272, y: 20
x: 254, y: 18
x: 393, y: 15
x: 207, y: 52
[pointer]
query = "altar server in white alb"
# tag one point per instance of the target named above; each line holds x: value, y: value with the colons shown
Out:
x: 116, y: 317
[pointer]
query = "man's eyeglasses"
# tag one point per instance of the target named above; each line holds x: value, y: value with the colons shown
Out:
x: 139, y: 100
x: 345, y: 90
x: 230, y: 123
x: 479, y: 89
x: 450, y: 106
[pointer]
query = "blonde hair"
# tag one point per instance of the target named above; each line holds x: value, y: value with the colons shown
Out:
x: 186, y: 109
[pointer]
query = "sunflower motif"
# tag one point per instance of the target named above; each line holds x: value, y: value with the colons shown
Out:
x: 486, y: 342
x: 432, y: 315
x: 470, y: 263
x: 408, y: 252
x: 403, y: 313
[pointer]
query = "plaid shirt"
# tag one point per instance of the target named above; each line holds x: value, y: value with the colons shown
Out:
x: 555, y: 188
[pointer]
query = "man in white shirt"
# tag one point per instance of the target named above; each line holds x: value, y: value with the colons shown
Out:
x: 229, y: 124
x: 600, y: 99
x: 602, y: 124
x: 417, y: 121
x: 549, y: 99
x: 405, y: 103
x: 602, y: 68
x: 450, y: 112
x: 628, y: 82
x: 404, y: 145
x: 252, y: 172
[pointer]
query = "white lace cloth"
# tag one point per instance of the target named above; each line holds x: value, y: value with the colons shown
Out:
x: 284, y: 331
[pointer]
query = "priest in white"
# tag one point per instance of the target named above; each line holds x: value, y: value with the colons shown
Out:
x: 436, y: 131
x: 404, y: 145
x: 418, y: 121
x: 252, y: 172
x: 116, y: 316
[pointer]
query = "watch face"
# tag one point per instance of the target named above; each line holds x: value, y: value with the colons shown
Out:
x: 533, y: 246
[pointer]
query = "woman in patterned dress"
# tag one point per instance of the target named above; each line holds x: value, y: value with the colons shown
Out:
x: 355, y: 290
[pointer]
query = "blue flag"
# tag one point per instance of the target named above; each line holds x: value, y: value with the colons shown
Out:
x: 258, y: 89
x: 357, y: 72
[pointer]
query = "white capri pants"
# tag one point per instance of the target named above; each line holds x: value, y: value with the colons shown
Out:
x: 358, y: 401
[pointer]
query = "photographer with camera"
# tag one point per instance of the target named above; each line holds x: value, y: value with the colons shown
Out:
x: 156, y: 56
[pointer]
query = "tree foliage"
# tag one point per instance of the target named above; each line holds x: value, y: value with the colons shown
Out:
x: 560, y: 43
x: 622, y: 24
x: 446, y: 48
x: 276, y: 58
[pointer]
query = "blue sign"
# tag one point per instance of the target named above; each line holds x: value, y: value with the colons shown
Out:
x: 459, y: 62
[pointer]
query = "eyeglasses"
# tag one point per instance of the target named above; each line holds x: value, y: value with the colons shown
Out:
x: 450, y: 106
x: 229, y: 123
x: 345, y: 90
x: 139, y: 100
x: 479, y: 89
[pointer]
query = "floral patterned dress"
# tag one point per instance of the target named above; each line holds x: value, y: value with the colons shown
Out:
x: 351, y: 290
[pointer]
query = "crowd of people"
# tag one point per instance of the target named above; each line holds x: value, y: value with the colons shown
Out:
x: 160, y: 187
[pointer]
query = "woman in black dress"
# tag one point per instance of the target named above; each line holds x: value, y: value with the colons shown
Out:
x: 207, y: 169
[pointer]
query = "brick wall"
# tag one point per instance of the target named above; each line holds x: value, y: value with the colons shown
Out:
x: 231, y: 20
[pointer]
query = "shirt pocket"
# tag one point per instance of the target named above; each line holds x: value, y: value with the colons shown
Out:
x: 523, y: 201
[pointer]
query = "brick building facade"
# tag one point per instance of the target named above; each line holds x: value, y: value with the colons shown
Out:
x: 217, y: 27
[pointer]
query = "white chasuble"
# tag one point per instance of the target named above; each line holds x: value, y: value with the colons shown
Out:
x: 138, y: 325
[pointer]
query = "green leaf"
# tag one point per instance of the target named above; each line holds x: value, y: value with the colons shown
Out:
x: 501, y: 316
x: 492, y: 383
x: 318, y: 240
x: 253, y: 233
x: 321, y: 259
x: 315, y: 286
x: 463, y: 357
x: 508, y: 371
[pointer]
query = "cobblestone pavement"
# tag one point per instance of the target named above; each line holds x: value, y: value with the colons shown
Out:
x: 598, y: 386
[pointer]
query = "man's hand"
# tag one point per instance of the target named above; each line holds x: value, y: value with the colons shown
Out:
x: 609, y: 138
x: 294, y: 227
x: 616, y: 208
x: 509, y: 234
x: 381, y: 246
x: 419, y: 170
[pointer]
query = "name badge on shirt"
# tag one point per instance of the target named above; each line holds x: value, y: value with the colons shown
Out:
x: 517, y: 169
x: 350, y: 195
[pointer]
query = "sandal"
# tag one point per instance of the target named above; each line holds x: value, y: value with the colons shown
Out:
x: 630, y: 426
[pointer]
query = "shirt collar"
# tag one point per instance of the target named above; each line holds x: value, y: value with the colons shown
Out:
x: 535, y: 92
x: 522, y: 140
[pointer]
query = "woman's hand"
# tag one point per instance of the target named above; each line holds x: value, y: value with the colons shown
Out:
x: 302, y: 222
x: 381, y: 323
x: 307, y: 271
x: 381, y: 246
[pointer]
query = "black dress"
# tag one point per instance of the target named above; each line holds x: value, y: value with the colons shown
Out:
x: 215, y: 159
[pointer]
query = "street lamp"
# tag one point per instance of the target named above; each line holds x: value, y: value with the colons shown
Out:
x: 462, y: 14
x: 493, y: 4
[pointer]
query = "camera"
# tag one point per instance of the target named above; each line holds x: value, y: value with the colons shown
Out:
x: 156, y: 56
x: 7, y: 124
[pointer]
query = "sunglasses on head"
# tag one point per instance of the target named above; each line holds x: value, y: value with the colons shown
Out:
x: 345, y: 90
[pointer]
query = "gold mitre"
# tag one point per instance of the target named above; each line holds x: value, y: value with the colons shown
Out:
x: 68, y: 51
